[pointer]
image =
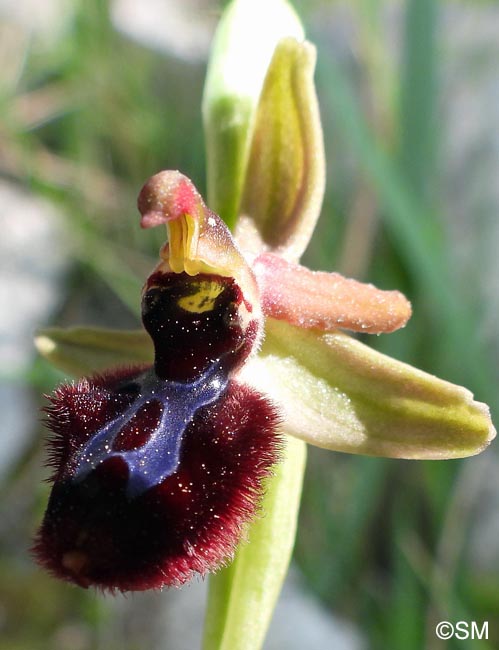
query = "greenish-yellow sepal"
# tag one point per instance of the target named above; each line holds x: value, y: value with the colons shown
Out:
x: 285, y: 179
x: 339, y: 394
x: 85, y: 350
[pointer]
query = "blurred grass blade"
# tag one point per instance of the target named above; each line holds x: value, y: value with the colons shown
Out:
x: 112, y: 267
x: 244, y: 43
x: 85, y: 350
x: 403, y: 213
x: 417, y: 236
x: 366, y: 489
x: 407, y: 602
x: 243, y: 595
x: 339, y: 394
x: 418, y: 98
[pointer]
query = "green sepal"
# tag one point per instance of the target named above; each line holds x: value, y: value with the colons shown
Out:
x: 84, y: 350
x: 339, y: 394
x: 243, y: 595
x: 285, y: 180
x: 246, y: 37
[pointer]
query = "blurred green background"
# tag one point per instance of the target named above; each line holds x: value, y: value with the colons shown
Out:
x: 95, y: 97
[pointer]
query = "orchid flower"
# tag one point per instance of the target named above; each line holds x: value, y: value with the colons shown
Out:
x: 188, y: 455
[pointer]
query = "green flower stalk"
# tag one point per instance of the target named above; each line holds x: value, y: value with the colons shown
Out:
x: 249, y: 361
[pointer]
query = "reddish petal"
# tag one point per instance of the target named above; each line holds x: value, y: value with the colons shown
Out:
x: 327, y: 301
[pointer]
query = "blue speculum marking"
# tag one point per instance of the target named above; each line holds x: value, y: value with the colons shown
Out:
x: 159, y: 457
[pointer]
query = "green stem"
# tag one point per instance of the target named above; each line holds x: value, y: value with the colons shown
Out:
x: 242, y: 596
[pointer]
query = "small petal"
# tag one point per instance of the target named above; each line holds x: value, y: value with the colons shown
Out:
x: 340, y: 394
x: 244, y: 43
x: 84, y: 350
x: 314, y: 299
x: 285, y: 182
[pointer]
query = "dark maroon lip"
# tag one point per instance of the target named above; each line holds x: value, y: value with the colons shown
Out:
x: 147, y: 435
x: 98, y: 533
x: 158, y: 470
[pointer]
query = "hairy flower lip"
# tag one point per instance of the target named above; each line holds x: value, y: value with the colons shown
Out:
x: 195, y: 321
x: 96, y: 533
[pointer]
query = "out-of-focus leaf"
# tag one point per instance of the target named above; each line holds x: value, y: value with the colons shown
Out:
x: 418, y: 101
x: 416, y: 233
